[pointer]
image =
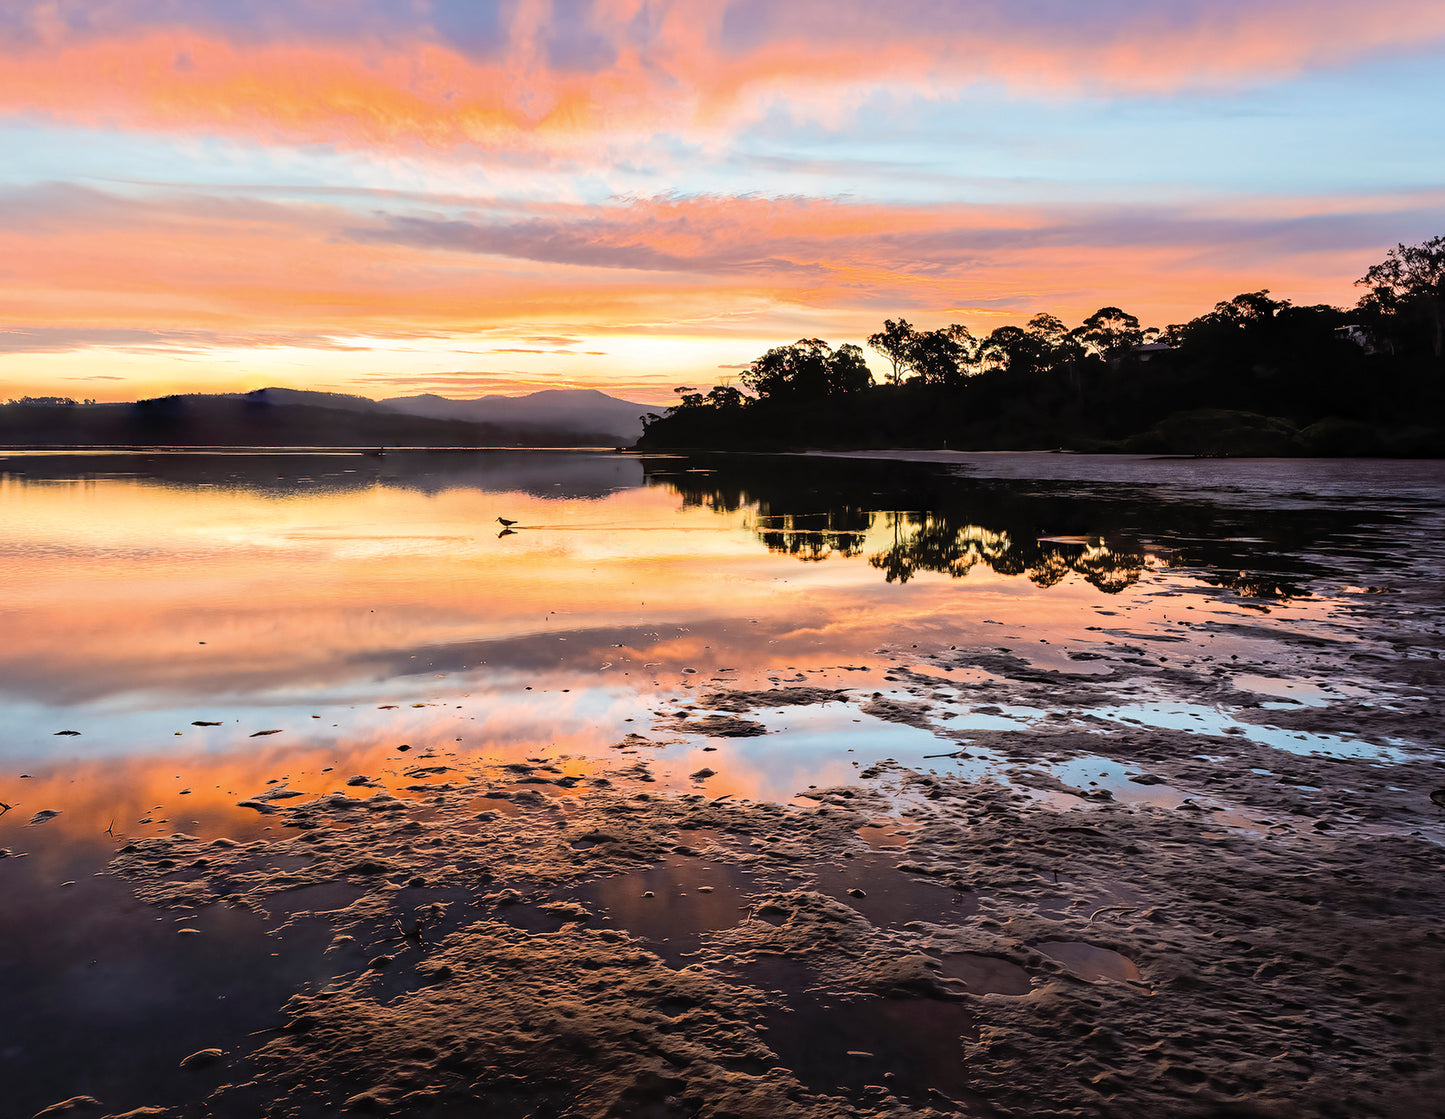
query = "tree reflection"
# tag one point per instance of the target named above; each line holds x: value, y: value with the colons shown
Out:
x: 815, y: 536
x: 938, y: 543
x: 801, y: 514
x: 911, y: 518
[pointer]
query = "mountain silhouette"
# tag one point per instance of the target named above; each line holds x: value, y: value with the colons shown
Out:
x: 281, y: 417
x: 563, y: 409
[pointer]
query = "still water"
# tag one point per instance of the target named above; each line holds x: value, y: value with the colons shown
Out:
x: 182, y: 632
x: 204, y: 622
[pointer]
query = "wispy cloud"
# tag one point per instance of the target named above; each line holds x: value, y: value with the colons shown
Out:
x: 63, y: 339
x: 85, y: 268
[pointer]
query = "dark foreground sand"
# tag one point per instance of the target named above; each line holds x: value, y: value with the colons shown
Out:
x: 532, y: 940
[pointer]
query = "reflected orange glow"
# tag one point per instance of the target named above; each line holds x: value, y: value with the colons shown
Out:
x: 209, y: 596
x: 355, y: 613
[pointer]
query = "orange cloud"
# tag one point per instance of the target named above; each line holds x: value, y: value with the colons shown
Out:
x: 258, y: 269
x: 693, y: 70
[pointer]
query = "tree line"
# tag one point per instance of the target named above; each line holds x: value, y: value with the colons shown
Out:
x: 1255, y: 375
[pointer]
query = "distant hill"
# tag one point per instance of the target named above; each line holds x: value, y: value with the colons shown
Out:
x: 294, y: 418
x: 556, y: 409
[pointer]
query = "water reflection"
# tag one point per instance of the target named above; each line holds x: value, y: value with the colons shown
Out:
x: 294, y: 473
x: 910, y: 518
x: 923, y: 542
x: 148, y: 591
x: 805, y: 514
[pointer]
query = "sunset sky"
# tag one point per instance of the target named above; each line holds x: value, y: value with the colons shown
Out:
x: 473, y: 196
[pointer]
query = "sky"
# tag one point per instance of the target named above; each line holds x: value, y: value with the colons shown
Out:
x: 388, y: 197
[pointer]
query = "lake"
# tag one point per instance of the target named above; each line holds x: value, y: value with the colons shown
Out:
x: 186, y: 634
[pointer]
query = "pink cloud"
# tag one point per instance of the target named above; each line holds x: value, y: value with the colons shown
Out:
x: 369, y: 80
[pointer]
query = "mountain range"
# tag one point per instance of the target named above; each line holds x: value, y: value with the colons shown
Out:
x: 280, y: 417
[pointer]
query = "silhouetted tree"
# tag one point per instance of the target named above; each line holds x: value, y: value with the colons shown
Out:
x: 942, y: 357
x: 1109, y: 332
x: 1016, y: 350
x: 1410, y: 283
x: 1233, y: 327
x: 848, y: 370
x: 1050, y: 332
x: 809, y: 369
x: 895, y: 342
x: 725, y: 396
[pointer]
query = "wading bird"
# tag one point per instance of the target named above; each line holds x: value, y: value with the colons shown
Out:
x: 505, y: 523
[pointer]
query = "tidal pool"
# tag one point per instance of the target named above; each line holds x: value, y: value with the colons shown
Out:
x: 263, y: 647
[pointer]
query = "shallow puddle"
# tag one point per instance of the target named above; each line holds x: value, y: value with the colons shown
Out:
x: 911, y: 1048
x: 1211, y: 720
x: 884, y: 836
x: 1089, y: 961
x: 1291, y: 691
x: 669, y: 906
x: 104, y: 995
x: 985, y: 975
x: 889, y: 897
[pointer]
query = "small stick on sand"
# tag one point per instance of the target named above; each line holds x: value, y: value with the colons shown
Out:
x: 1113, y: 908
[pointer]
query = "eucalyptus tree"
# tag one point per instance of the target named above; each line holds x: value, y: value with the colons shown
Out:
x: 809, y: 369
x: 943, y: 356
x: 1109, y: 332
x: 896, y: 342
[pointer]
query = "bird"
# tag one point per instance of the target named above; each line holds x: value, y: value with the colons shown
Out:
x: 505, y: 523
